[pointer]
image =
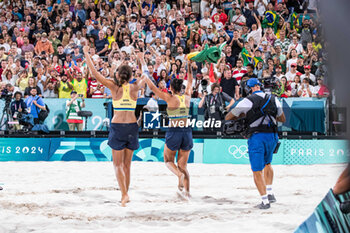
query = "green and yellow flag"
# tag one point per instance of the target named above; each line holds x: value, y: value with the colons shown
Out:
x: 247, y: 59
x: 257, y: 60
x: 271, y: 19
x: 294, y: 17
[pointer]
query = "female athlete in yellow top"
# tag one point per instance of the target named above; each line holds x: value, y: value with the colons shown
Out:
x: 178, y: 138
x: 123, y: 133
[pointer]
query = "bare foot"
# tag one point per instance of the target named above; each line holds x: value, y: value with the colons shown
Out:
x: 181, y: 182
x: 187, y: 194
x: 125, y: 199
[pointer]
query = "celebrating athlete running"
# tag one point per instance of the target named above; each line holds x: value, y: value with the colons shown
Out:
x: 178, y: 138
x: 123, y: 134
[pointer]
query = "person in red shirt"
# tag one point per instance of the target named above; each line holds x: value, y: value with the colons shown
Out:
x: 222, y: 15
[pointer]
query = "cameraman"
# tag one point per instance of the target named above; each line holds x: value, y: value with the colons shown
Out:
x: 18, y: 108
x: 261, y: 112
x: 214, y: 103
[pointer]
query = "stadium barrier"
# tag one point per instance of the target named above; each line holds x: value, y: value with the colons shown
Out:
x: 211, y: 151
x: 303, y: 114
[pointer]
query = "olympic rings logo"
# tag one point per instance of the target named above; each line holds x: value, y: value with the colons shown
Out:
x: 238, y: 152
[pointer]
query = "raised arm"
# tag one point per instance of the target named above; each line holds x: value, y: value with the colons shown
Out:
x: 163, y: 95
x: 257, y: 20
x: 106, y: 82
x: 140, y: 82
x: 188, y: 90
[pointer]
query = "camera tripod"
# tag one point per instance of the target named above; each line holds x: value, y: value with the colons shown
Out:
x: 5, y: 113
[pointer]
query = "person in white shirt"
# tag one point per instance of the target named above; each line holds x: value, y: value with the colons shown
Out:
x: 291, y: 74
x: 279, y: 74
x: 292, y: 60
x: 152, y: 103
x: 305, y: 89
x: 308, y: 75
x: 204, y: 7
x: 256, y: 31
x: 4, y: 45
x: 217, y: 23
x: 151, y: 37
x: 238, y: 20
x: 127, y: 47
x: 295, y: 86
x: 162, y: 9
x: 206, y: 21
x: 181, y: 55
x: 260, y: 6
x: 296, y: 45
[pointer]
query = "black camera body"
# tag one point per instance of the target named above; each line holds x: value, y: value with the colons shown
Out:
x: 6, y: 95
x: 235, y: 127
x: 204, y: 84
x: 269, y: 84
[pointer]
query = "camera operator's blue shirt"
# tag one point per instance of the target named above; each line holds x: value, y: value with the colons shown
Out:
x: 34, y: 110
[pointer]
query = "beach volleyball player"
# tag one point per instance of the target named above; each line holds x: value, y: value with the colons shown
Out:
x: 123, y: 132
x: 178, y: 137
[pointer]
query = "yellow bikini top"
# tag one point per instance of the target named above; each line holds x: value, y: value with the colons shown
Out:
x: 181, y: 112
x: 125, y: 103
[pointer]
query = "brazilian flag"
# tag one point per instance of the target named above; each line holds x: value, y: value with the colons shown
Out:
x: 257, y: 60
x: 247, y: 59
x: 271, y: 20
x: 294, y: 17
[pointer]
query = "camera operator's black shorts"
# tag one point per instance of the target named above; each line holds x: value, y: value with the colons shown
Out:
x: 123, y: 135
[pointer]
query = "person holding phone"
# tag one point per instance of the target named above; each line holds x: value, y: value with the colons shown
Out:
x: 73, y: 106
x: 305, y: 89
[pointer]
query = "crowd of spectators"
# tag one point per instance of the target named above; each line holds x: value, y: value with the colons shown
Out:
x: 41, y: 44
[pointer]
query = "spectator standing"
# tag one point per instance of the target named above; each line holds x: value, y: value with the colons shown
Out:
x: 308, y: 75
x: 49, y: 90
x: 238, y: 19
x: 229, y: 84
x: 44, y: 45
x: 320, y: 90
x: 80, y: 85
x: 31, y: 84
x: 101, y: 44
x: 239, y: 71
x: 305, y: 89
x: 291, y: 74
x: 73, y: 106
x: 64, y: 87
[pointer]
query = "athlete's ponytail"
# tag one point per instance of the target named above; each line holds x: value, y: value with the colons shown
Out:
x: 124, y: 75
x: 176, y: 85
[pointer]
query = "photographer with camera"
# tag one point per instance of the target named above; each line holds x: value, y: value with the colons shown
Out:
x: 261, y: 112
x: 18, y: 109
x: 73, y: 106
x: 214, y: 103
